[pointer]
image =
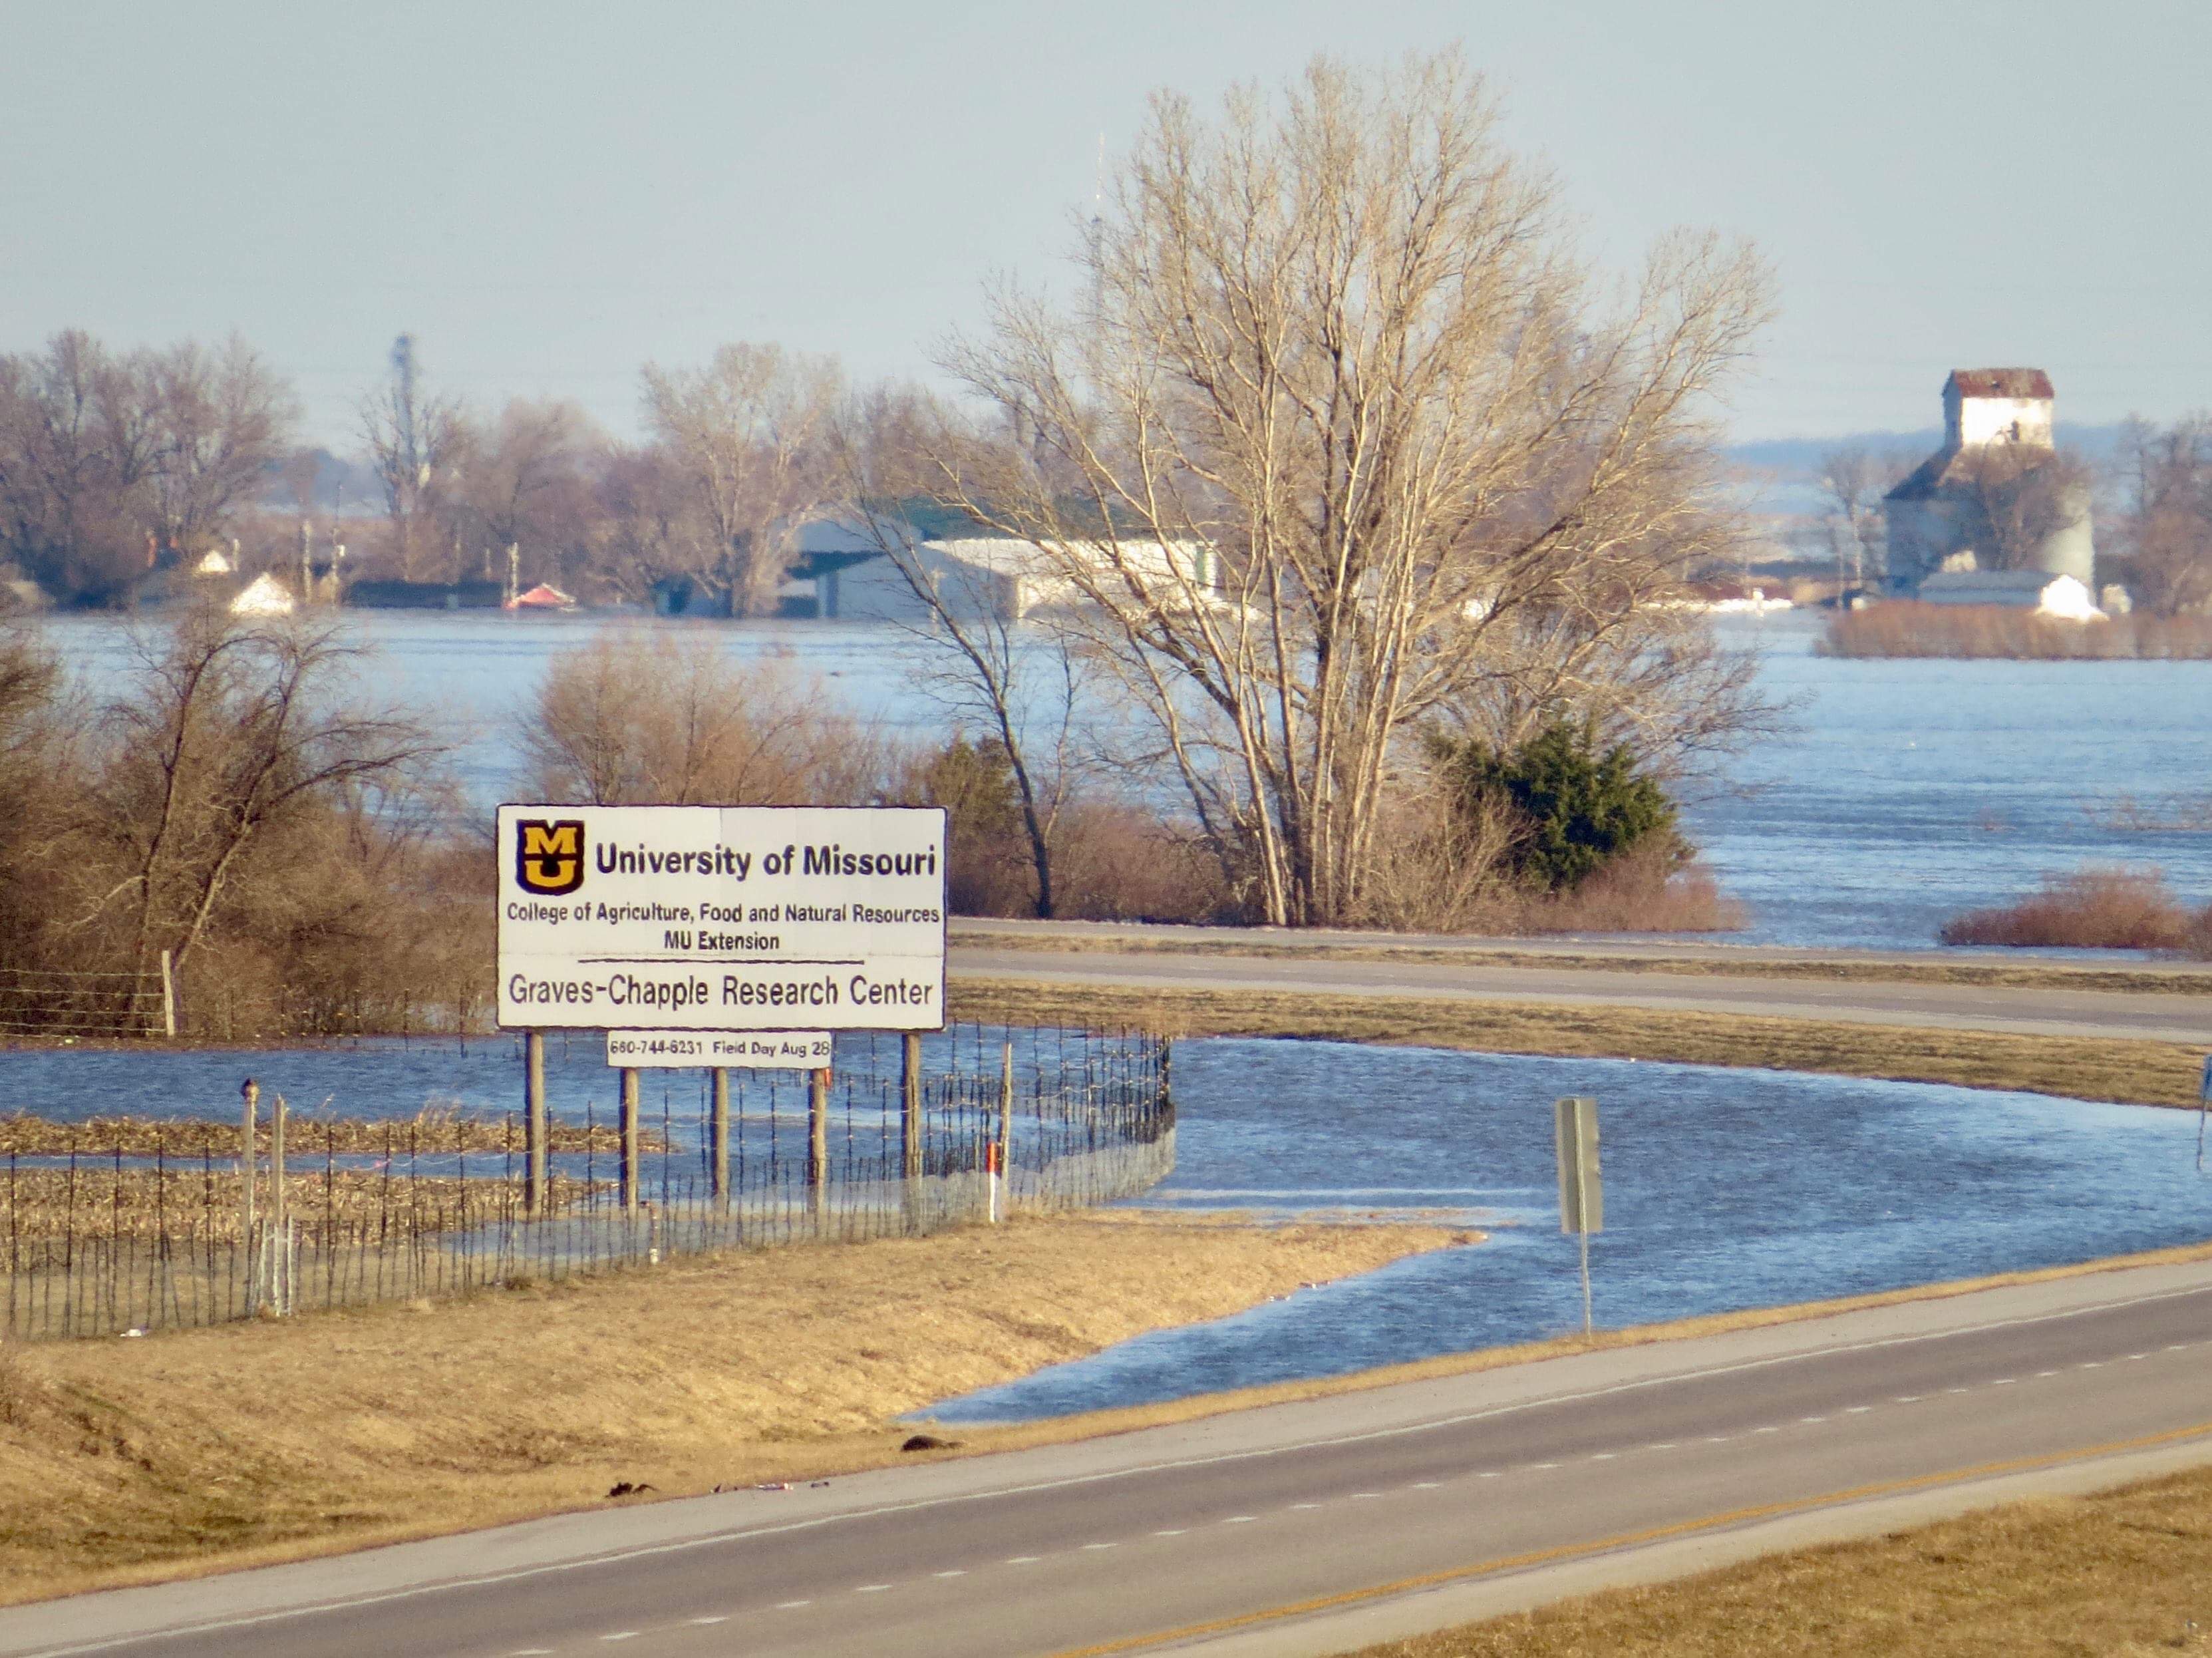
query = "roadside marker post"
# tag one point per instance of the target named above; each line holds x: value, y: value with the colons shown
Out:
x: 2204, y: 1109
x: 1582, y: 1189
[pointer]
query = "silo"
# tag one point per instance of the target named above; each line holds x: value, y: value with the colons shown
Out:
x: 2070, y: 549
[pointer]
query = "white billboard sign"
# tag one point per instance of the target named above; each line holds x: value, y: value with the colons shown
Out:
x: 750, y: 1050
x: 721, y: 918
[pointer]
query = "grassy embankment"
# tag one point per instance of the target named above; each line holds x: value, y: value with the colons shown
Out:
x: 2126, y: 1071
x: 2123, y: 1572
x: 131, y: 1460
x: 2143, y: 981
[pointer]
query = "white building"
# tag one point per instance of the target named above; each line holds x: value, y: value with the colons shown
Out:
x: 999, y: 577
x: 2019, y: 589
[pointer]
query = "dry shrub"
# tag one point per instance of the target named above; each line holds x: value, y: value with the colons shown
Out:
x: 1646, y: 889
x: 1119, y: 863
x: 1908, y: 628
x: 1440, y: 866
x: 2089, y: 909
x: 634, y: 717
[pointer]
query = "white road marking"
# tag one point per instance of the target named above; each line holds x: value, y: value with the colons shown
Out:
x: 2130, y: 1355
x: 955, y: 1572
x: 2170, y: 1346
x: 1801, y: 1419
x: 1900, y: 1399
x: 1856, y: 1410
x: 1710, y: 1439
x: 781, y: 1605
x: 1305, y: 1505
x: 2085, y: 1364
x: 2041, y: 1374
x: 1957, y: 1390
x: 1357, y: 1497
x: 620, y: 1634
x: 1533, y: 1465
x: 1423, y: 1486
x: 1487, y: 1473
x: 721, y: 1619
x: 1756, y: 1430
x: 1177, y: 1531
x: 864, y: 1588
x: 2003, y: 1381
x: 1087, y: 1546
x: 1596, y: 1456
x: 1233, y: 1520
x: 1663, y: 1445
x: 1017, y: 1560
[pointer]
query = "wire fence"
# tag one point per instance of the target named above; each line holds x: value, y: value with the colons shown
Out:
x: 131, y: 1223
x: 83, y: 1007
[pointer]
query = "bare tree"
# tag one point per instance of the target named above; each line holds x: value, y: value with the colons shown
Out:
x: 2024, y: 494
x: 222, y: 420
x: 629, y: 718
x: 415, y: 440
x: 527, y: 480
x: 745, y: 438
x: 1343, y: 448
x: 233, y: 730
x: 1854, y: 479
x: 2165, y: 521
x: 78, y: 453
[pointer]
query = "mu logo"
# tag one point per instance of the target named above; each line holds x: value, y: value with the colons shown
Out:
x: 548, y: 855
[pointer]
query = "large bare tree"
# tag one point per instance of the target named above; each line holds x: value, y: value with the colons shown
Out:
x: 1343, y: 446
x: 106, y: 458
x: 2166, y: 518
x: 744, y: 438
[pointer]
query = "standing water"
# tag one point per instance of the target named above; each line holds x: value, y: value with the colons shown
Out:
x: 1724, y: 1190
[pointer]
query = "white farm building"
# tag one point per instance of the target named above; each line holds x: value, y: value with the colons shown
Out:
x: 996, y: 577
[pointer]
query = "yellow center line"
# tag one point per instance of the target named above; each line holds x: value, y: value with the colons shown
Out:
x: 1632, y: 1539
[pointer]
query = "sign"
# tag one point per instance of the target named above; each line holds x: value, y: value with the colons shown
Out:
x: 1582, y: 1192
x: 721, y: 918
x: 753, y: 1050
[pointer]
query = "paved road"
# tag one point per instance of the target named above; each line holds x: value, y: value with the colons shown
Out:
x: 2036, y: 1012
x: 1209, y: 1531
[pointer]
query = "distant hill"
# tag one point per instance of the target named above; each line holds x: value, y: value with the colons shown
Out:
x: 1799, y: 458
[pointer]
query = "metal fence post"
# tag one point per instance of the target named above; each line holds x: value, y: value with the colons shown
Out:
x: 718, y: 1137
x: 629, y: 1145
x: 534, y: 1136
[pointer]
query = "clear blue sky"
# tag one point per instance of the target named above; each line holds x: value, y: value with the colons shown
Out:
x: 549, y: 194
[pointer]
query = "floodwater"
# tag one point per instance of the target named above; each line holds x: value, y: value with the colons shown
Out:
x: 1904, y: 793
x: 1724, y: 1190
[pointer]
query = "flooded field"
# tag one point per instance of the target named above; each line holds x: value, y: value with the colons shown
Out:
x: 1724, y: 1190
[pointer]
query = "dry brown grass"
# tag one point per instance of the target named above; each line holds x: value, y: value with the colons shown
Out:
x: 2146, y: 981
x: 2126, y: 1071
x: 2122, y: 1572
x: 435, y: 1130
x: 125, y: 1461
x: 1906, y: 627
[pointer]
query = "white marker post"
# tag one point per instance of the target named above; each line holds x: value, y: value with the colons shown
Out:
x: 1582, y: 1191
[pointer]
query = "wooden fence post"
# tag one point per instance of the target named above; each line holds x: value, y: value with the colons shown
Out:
x: 280, y: 1282
x: 169, y: 997
x: 910, y: 1105
x: 629, y: 1145
x: 718, y: 1138
x: 249, y: 1169
x: 818, y: 1141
